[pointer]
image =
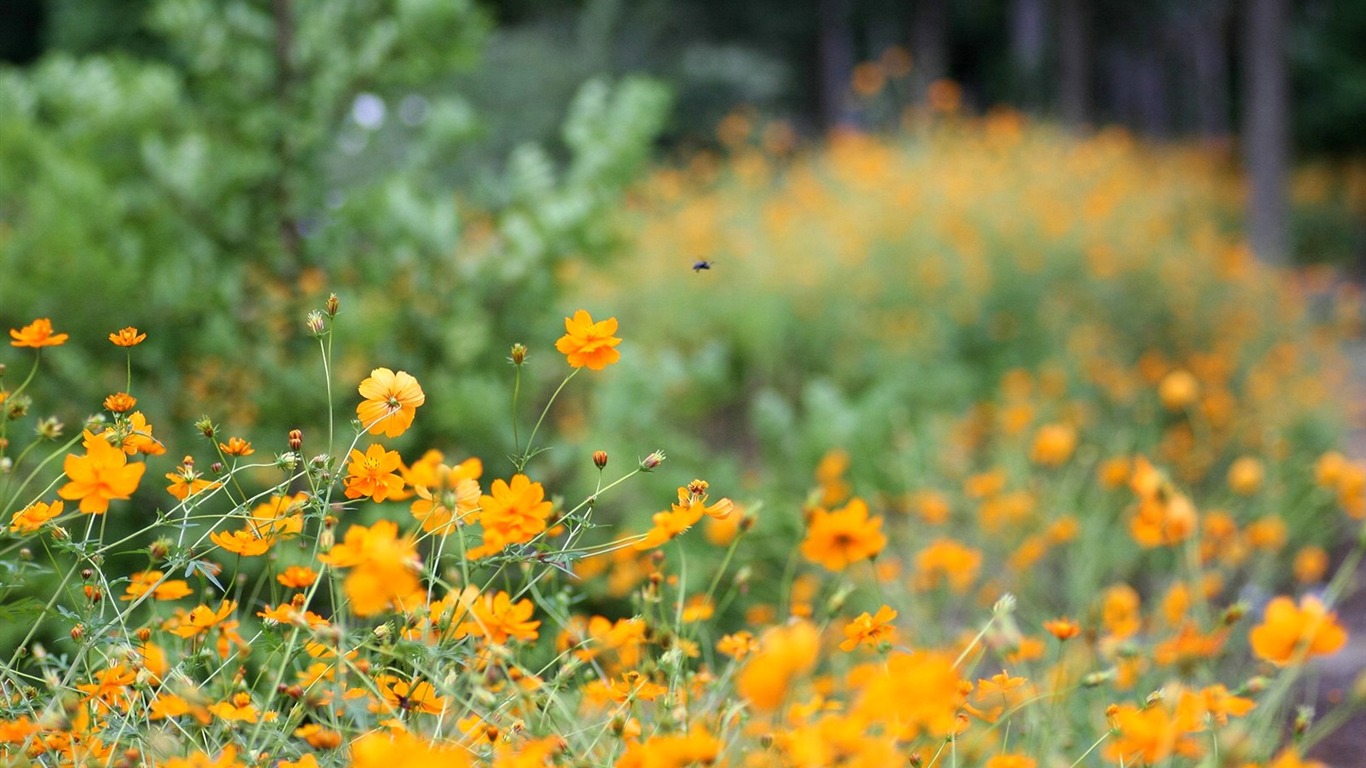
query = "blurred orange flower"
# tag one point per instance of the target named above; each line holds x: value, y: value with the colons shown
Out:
x: 848, y: 535
x: 37, y: 334
x: 1290, y: 634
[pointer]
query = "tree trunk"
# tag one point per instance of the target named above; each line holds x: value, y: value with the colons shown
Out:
x: 1028, y: 39
x: 1266, y: 131
x: 1074, y: 63
x: 1206, y: 44
x: 836, y: 59
x: 929, y: 44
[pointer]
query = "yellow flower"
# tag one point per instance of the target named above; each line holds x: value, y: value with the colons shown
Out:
x: 373, y: 473
x: 127, y: 337
x: 391, y: 401
x: 100, y: 476
x: 589, y: 344
x: 37, y: 334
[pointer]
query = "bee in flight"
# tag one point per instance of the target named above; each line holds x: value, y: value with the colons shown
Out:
x: 700, y: 265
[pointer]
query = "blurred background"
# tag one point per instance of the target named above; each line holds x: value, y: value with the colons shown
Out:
x: 990, y: 176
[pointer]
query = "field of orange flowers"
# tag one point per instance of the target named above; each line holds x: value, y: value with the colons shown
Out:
x: 1013, y: 458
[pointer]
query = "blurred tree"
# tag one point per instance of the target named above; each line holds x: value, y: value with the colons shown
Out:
x: 267, y: 151
x: 1266, y: 139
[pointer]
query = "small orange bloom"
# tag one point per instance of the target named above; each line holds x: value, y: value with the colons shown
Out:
x: 120, y: 402
x: 236, y: 446
x: 100, y: 476
x: 691, y: 507
x: 391, y: 402
x: 1064, y: 629
x: 127, y: 337
x: 37, y: 334
x: 496, y: 619
x: 587, y: 343
x: 870, y: 630
x: 31, y: 518
x: 202, y: 618
x: 1290, y: 635
x: 143, y: 581
x: 244, y: 542
x: 848, y: 535
x: 297, y: 577
x: 373, y: 473
x: 186, y: 482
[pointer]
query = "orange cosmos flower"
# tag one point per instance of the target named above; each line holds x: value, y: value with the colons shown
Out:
x: 496, y: 619
x: 297, y: 577
x: 1064, y: 628
x: 202, y: 618
x: 236, y: 446
x: 738, y: 645
x: 373, y: 473
x: 37, y: 334
x: 836, y: 539
x: 691, y: 506
x: 870, y: 630
x: 386, y: 749
x: 883, y: 687
x: 120, y: 402
x: 511, y: 513
x: 1151, y: 735
x: 100, y: 476
x: 137, y: 436
x: 947, y: 561
x: 383, y: 568
x: 142, y: 582
x: 127, y: 337
x: 785, y: 654
x: 1290, y: 635
x: 226, y: 759
x: 415, y: 696
x: 244, y: 542
x: 391, y: 401
x: 449, y: 497
x: 1053, y: 445
x: 1011, y: 761
x: 31, y: 518
x: 587, y: 343
x: 186, y: 482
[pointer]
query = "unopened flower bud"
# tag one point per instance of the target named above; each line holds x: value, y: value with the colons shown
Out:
x: 599, y: 459
x: 159, y: 549
x: 296, y: 439
x: 333, y: 305
x: 77, y: 632
x: 49, y: 428
x: 206, y: 427
x: 216, y: 467
x: 518, y: 354
x: 143, y: 634
x: 648, y: 463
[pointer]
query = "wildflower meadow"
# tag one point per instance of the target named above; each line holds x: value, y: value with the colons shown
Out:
x: 980, y: 444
